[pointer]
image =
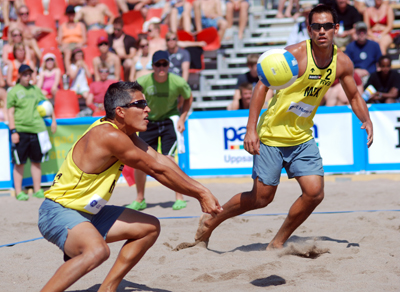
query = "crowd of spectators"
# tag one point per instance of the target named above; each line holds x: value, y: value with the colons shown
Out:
x: 91, y: 39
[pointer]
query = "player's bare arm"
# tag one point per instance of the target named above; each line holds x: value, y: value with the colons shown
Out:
x: 251, y: 141
x: 128, y: 153
x: 345, y: 73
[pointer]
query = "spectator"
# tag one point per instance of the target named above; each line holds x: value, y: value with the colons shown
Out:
x: 142, y: 61
x: 156, y: 42
x: 237, y: 5
x: 30, y: 31
x: 32, y: 53
x: 208, y: 13
x: 98, y: 89
x: 246, y: 91
x: 78, y: 73
x: 363, y: 53
x: 110, y: 59
x: 26, y: 126
x: 178, y: 15
x: 348, y: 16
x: 49, y: 76
x: 336, y: 95
x: 3, y: 100
x: 289, y: 8
x: 299, y: 31
x: 94, y: 14
x: 139, y: 5
x: 162, y: 90
x: 11, y: 7
x: 71, y: 35
x: 179, y: 59
x: 379, y: 20
x: 20, y: 58
x: 362, y: 5
x: 386, y: 82
x: 123, y: 45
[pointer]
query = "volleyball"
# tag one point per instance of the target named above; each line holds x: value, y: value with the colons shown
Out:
x: 277, y: 69
x: 45, y: 108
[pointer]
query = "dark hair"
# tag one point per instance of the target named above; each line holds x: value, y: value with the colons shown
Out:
x: 74, y: 52
x: 119, y: 94
x: 322, y: 8
x: 383, y: 58
x: 118, y: 20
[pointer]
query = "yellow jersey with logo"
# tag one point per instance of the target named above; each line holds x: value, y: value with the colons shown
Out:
x: 289, y: 117
x: 86, y: 192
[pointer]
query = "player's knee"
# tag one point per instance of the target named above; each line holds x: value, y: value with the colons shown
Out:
x: 97, y: 254
x: 315, y: 196
x: 153, y: 230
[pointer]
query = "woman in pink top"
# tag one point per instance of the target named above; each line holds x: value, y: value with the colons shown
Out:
x: 49, y: 76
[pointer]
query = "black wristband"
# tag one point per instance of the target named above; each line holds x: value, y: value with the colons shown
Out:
x: 12, y: 131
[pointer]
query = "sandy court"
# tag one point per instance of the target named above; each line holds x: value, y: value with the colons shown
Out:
x: 348, y: 251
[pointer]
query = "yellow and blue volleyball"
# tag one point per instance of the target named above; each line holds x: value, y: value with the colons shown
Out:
x: 45, y: 108
x: 277, y: 68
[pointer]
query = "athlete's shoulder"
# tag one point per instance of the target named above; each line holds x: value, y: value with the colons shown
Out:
x: 298, y: 50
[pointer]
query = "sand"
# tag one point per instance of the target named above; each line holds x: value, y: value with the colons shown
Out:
x: 344, y: 251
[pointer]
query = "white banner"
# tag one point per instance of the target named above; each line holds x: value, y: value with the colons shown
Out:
x: 216, y: 143
x: 386, y: 146
x: 5, y: 172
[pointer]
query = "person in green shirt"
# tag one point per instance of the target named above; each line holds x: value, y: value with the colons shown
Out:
x: 162, y: 90
x: 26, y: 126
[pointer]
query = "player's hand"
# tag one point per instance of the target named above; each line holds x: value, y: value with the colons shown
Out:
x: 252, y: 142
x: 53, y: 126
x: 15, y: 138
x: 180, y: 126
x: 370, y: 132
x: 209, y: 204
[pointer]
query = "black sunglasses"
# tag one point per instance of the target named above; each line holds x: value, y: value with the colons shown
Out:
x: 326, y: 26
x: 141, y: 103
x: 24, y: 13
x: 101, y: 44
x: 171, y: 39
x: 164, y: 64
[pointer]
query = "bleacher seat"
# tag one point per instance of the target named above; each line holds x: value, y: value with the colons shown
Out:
x: 4, y: 36
x: 133, y: 22
x: 163, y: 30
x: 99, y: 113
x: 93, y: 36
x: 49, y: 40
x: 184, y: 36
x: 66, y: 104
x: 154, y: 12
x: 57, y: 9
x: 35, y: 9
x: 211, y: 37
x: 90, y: 52
x: 46, y: 21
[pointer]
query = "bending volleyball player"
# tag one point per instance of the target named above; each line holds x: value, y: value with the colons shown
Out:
x: 74, y: 215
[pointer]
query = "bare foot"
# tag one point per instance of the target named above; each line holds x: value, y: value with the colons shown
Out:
x: 279, y: 15
x: 203, y: 233
x: 272, y: 246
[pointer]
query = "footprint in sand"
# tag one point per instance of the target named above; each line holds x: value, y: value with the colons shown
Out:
x: 185, y: 245
x: 310, y: 251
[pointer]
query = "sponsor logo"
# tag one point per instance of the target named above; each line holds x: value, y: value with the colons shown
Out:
x: 93, y: 203
x: 301, y: 109
x: 312, y: 91
x: 237, y: 159
x: 314, y: 76
x: 398, y: 131
x: 233, y: 138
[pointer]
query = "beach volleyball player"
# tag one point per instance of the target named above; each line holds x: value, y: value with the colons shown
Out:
x: 283, y: 137
x: 74, y: 216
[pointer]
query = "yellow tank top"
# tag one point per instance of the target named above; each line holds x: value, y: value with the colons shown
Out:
x: 75, y: 189
x: 289, y: 117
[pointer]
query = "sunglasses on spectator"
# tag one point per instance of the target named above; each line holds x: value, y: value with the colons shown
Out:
x: 171, y: 39
x: 24, y: 13
x: 145, y: 45
x: 16, y: 35
x: 103, y: 70
x: 50, y: 59
x: 117, y: 29
x: 164, y: 64
x: 149, y: 30
x: 102, y: 44
x: 142, y: 103
x: 326, y: 26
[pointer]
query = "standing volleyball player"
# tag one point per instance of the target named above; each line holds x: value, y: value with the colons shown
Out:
x: 283, y: 137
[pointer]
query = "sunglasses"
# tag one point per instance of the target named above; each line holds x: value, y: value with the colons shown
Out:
x: 117, y: 29
x: 165, y: 64
x: 24, y: 13
x: 143, y: 46
x: 142, y: 103
x: 49, y: 59
x: 149, y: 30
x: 326, y: 26
x: 103, y: 70
x: 171, y: 39
x: 16, y: 35
x: 102, y: 44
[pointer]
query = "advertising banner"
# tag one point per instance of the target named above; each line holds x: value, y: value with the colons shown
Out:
x: 5, y: 159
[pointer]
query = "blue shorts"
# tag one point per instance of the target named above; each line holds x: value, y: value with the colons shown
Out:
x: 299, y: 160
x: 210, y: 22
x: 55, y: 220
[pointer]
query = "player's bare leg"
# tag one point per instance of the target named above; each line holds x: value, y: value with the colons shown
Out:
x: 312, y: 187
x: 141, y: 232
x: 259, y: 197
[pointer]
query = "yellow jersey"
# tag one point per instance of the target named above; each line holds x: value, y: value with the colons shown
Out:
x: 86, y: 192
x: 289, y: 117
